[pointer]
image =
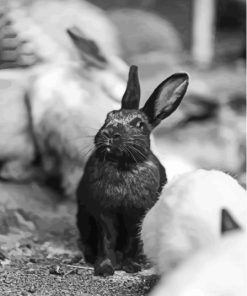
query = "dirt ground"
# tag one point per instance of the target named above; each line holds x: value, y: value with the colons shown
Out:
x: 49, y: 277
x: 39, y: 254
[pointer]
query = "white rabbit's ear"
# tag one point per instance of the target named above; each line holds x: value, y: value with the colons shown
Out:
x: 131, y: 97
x: 88, y: 49
x: 227, y: 222
x: 166, y: 98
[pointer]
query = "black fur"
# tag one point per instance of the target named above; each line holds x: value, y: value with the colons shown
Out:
x: 121, y: 181
x: 131, y: 97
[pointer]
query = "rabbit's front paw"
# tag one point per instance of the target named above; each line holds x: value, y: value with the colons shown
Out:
x: 103, y: 267
x: 130, y: 266
x: 88, y: 253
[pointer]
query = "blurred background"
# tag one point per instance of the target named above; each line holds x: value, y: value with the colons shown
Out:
x: 205, y: 38
x: 208, y: 40
x: 56, y: 89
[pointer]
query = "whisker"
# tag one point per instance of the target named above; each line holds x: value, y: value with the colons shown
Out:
x: 92, y: 128
x: 134, y: 144
x: 131, y: 154
x: 139, y: 153
x: 91, y: 148
x: 88, y: 146
x: 87, y: 152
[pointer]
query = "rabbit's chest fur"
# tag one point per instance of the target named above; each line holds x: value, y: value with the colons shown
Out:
x: 107, y: 184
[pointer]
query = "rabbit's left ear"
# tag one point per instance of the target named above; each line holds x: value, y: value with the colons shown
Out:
x: 227, y: 222
x: 166, y: 98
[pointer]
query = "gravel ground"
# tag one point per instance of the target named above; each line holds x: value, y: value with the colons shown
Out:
x: 39, y: 254
x: 41, y: 276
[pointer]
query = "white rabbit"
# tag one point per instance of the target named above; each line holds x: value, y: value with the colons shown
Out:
x: 69, y: 104
x: 188, y: 215
x: 215, y: 271
x: 63, y: 85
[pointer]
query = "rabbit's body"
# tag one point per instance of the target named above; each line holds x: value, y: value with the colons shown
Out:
x: 188, y: 216
x: 218, y: 270
x: 116, y: 185
x: 113, y: 190
x: 111, y: 187
x: 123, y: 178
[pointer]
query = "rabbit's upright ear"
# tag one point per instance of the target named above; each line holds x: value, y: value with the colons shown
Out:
x: 227, y: 222
x: 131, y: 97
x: 166, y: 98
x: 88, y: 49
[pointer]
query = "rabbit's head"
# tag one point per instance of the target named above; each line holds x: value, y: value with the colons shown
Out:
x: 126, y: 132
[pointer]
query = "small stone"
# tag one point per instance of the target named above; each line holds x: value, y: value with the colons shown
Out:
x: 128, y: 284
x: 79, y: 271
x: 56, y: 269
x: 76, y: 259
x: 33, y: 260
x: 32, y: 289
x: 31, y: 271
x: 7, y: 281
x: 35, y: 239
x: 67, y: 261
x: 28, y: 245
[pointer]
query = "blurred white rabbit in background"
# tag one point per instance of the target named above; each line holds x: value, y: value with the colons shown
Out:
x: 191, y: 214
x: 59, y: 91
x: 217, y: 270
x: 68, y: 105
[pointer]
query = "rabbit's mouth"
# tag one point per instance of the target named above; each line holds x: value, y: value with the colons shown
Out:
x: 121, y: 153
x: 112, y: 151
x: 121, y: 149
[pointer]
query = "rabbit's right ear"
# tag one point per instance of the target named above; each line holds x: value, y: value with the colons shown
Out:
x: 88, y: 49
x: 227, y: 222
x: 131, y: 97
x: 166, y: 98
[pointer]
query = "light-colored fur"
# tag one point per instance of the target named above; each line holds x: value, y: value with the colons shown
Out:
x: 68, y: 99
x: 67, y: 110
x: 43, y: 23
x: 13, y: 119
x: 187, y: 216
x: 16, y: 144
x: 215, y: 271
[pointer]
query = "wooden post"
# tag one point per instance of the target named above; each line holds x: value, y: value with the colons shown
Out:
x: 203, y: 31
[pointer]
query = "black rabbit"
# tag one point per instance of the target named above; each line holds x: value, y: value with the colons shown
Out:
x: 123, y: 178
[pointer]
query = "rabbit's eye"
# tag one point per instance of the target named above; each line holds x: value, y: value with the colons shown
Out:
x: 140, y: 124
